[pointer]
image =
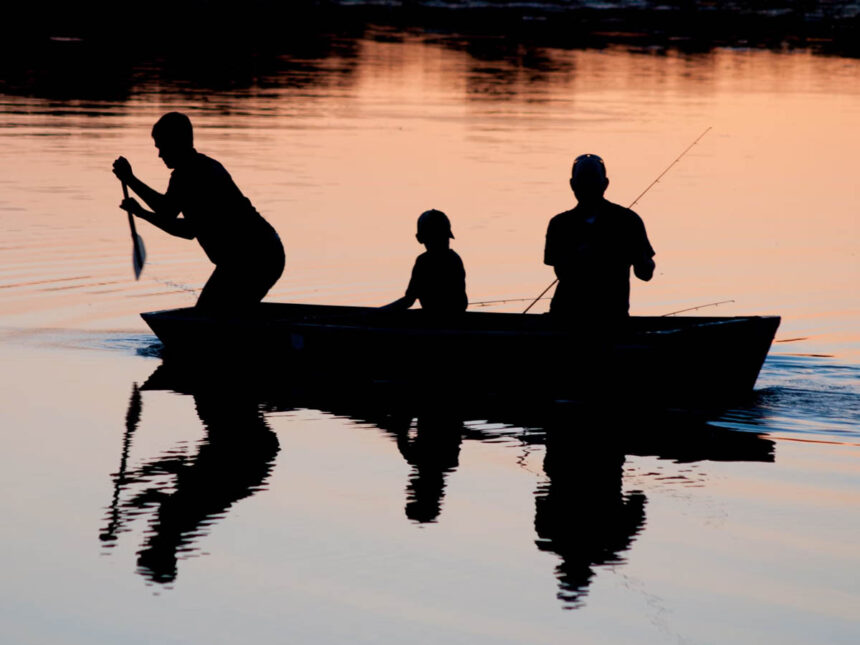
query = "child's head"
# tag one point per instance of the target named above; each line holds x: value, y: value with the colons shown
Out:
x: 434, y: 228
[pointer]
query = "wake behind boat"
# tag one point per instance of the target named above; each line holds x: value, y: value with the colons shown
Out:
x: 671, y: 360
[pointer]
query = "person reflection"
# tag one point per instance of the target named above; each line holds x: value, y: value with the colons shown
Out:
x: 433, y: 451
x: 581, y: 513
x: 233, y: 462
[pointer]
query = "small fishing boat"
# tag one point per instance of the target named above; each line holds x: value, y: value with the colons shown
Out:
x: 667, y: 359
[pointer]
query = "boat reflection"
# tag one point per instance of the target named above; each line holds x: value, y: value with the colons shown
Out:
x: 583, y: 514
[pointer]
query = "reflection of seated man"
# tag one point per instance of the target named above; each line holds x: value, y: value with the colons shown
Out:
x: 438, y: 277
x: 245, y: 249
x: 581, y: 513
x: 592, y: 248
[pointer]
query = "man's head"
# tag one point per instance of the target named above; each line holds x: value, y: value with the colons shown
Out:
x: 173, y: 137
x: 433, y: 226
x: 588, y: 178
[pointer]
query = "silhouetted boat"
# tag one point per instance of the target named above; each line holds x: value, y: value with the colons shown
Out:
x: 666, y: 359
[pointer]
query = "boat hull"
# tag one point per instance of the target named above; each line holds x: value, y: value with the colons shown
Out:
x: 670, y: 360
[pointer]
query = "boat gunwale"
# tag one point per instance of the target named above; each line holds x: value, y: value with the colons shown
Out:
x: 400, y: 321
x: 176, y: 327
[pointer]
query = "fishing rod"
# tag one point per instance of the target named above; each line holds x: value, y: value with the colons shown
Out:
x: 633, y: 203
x: 710, y: 304
x: 487, y: 303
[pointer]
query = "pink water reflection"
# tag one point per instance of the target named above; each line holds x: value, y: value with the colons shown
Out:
x: 763, y: 211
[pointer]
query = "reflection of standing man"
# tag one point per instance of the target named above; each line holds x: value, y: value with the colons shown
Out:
x: 592, y: 248
x: 234, y: 461
x: 245, y: 249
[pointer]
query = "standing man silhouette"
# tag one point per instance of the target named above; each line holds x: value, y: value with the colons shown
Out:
x: 245, y: 249
x: 592, y: 247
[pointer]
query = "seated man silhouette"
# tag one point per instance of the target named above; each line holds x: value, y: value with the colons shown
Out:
x: 438, y: 278
x: 592, y: 248
x: 245, y: 249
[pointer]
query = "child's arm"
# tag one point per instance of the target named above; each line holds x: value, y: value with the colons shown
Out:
x: 401, y: 304
x: 412, y: 291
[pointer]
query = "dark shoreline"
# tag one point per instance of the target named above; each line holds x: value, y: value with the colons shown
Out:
x: 67, y: 53
x: 679, y: 25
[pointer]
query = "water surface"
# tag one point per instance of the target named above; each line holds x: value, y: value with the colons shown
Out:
x: 184, y: 512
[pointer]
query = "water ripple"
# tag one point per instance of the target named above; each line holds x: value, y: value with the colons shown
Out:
x: 805, y: 395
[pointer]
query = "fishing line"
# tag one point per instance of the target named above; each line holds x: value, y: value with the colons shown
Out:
x: 710, y: 304
x: 179, y: 286
x: 487, y: 303
x: 176, y: 286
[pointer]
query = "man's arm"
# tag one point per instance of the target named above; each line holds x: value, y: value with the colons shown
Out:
x: 155, y: 200
x: 644, y: 269
x: 176, y: 226
x: 643, y: 252
x: 550, y: 253
x: 164, y: 214
x: 553, y: 254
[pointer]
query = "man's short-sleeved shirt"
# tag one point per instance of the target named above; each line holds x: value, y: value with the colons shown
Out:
x: 224, y: 221
x: 439, y: 282
x: 593, y: 259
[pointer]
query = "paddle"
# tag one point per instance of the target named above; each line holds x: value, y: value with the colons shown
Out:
x: 132, y: 419
x: 139, y: 253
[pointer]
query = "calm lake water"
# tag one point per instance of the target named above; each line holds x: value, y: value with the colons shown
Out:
x: 177, y: 513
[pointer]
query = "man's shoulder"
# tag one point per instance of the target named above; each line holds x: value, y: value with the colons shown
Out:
x: 210, y: 164
x: 562, y: 219
x: 201, y: 165
x: 626, y: 224
x: 564, y: 215
x: 621, y: 212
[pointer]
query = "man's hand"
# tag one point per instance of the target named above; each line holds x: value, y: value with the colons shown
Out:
x: 122, y: 170
x: 132, y: 206
x: 644, y: 269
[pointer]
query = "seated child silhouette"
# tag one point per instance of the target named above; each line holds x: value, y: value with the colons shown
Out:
x: 438, y: 278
